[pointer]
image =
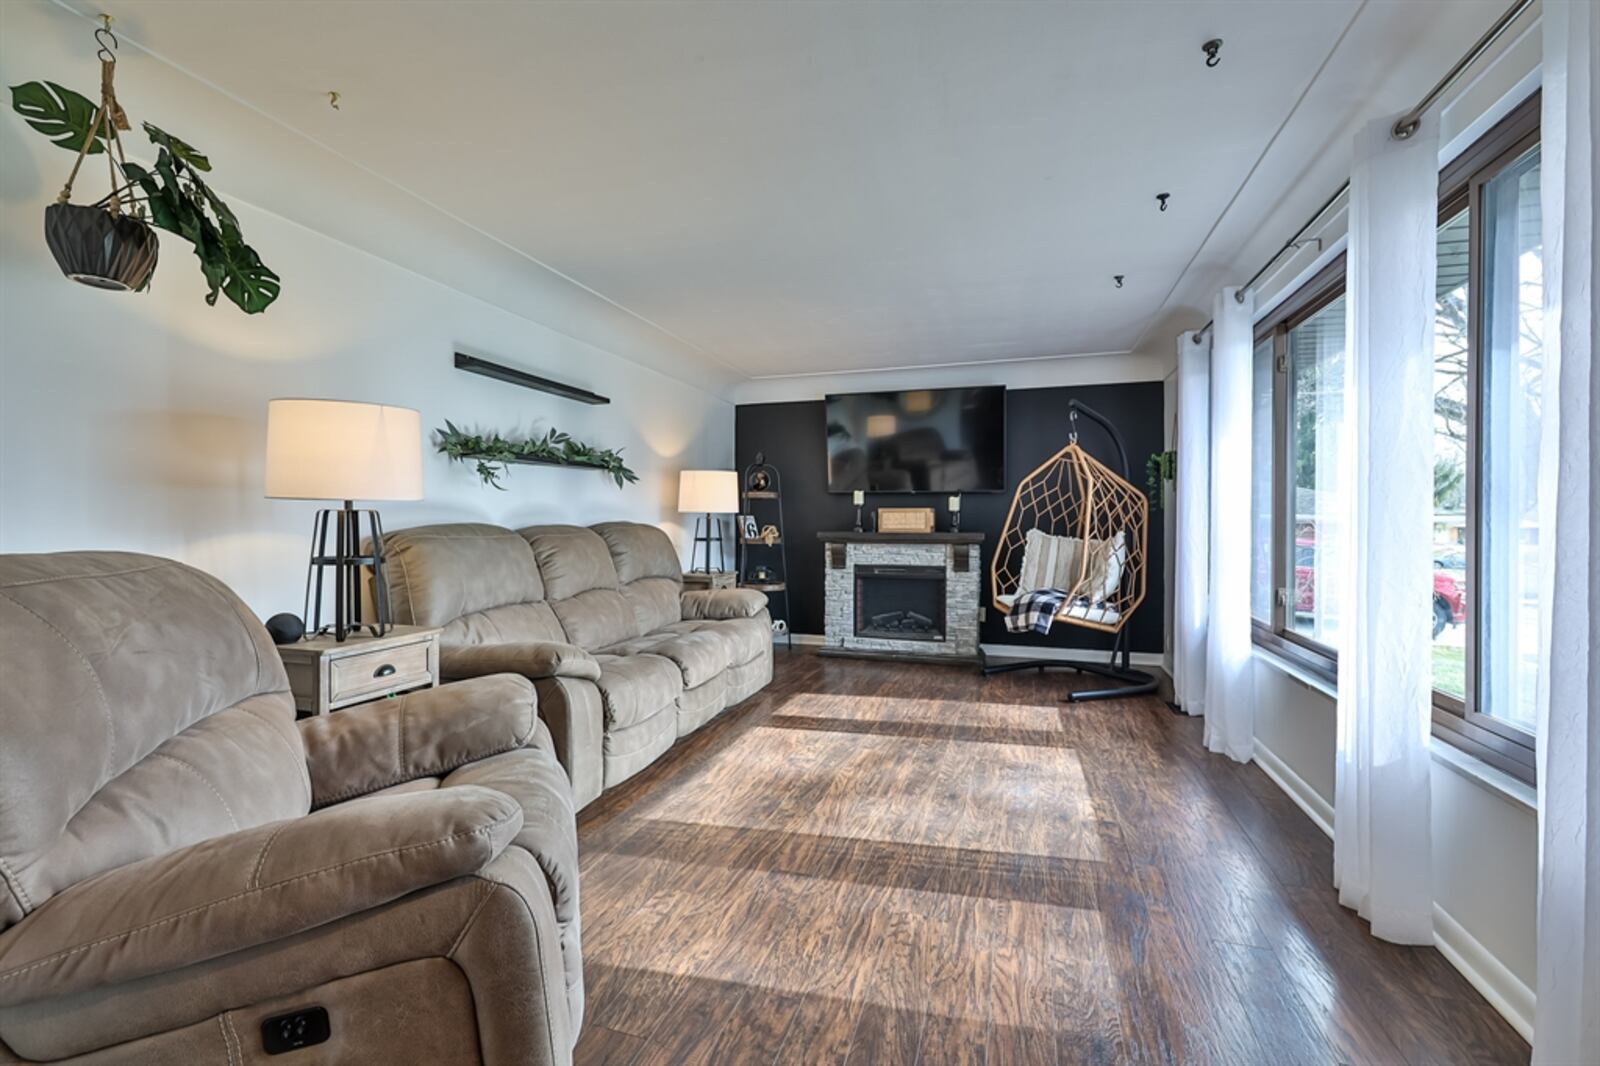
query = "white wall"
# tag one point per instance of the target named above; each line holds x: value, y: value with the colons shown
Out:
x: 137, y: 421
x: 1485, y: 837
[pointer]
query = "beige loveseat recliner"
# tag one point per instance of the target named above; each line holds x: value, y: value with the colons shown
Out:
x: 188, y: 876
x: 624, y: 660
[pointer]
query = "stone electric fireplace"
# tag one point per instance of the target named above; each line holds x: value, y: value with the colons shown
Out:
x: 894, y: 595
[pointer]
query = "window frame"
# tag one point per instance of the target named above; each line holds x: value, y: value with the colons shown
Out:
x: 1459, y: 722
x: 1276, y: 634
x: 1455, y: 722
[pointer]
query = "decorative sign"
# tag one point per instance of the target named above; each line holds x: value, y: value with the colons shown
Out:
x: 905, y: 520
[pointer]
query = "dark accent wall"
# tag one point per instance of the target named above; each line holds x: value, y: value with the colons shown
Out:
x: 793, y: 437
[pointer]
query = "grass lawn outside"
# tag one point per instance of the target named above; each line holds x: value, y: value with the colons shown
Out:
x: 1450, y: 670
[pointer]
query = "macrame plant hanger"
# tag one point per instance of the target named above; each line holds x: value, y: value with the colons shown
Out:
x: 1074, y: 494
x: 108, y: 120
x: 108, y: 244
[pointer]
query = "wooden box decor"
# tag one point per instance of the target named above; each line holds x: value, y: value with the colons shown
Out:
x: 905, y: 520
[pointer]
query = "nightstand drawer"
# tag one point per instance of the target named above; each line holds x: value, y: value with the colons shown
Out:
x: 326, y: 674
x: 380, y: 670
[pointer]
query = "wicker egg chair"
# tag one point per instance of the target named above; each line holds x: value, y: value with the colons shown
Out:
x: 1073, y: 494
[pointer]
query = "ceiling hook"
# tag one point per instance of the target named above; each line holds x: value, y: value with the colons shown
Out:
x: 1118, y: 279
x: 1212, y: 49
x: 106, y: 40
x: 1162, y: 198
x: 333, y: 99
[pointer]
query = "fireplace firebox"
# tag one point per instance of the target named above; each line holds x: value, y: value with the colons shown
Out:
x: 900, y: 602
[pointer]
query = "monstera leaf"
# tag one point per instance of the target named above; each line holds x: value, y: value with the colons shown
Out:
x: 59, y: 113
x: 180, y: 151
x: 184, y: 204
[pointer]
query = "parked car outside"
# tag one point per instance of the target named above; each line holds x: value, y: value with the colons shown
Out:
x: 1449, y: 589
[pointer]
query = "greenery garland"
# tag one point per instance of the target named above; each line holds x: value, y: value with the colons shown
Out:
x: 493, y: 454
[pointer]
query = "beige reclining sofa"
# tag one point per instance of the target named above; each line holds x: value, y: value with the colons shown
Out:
x: 624, y: 660
x: 188, y: 876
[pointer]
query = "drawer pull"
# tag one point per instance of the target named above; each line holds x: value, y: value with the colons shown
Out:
x: 384, y: 671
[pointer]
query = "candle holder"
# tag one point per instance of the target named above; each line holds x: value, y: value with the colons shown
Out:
x: 955, y: 513
x: 858, y: 498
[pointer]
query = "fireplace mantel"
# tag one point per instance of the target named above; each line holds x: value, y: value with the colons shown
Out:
x: 852, y: 537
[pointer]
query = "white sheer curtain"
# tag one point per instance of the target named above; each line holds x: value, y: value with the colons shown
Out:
x: 1230, y: 685
x: 1382, y: 833
x: 1192, y: 558
x: 1567, y: 1022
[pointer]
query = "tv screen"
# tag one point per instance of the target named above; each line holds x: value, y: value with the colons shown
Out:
x: 919, y: 440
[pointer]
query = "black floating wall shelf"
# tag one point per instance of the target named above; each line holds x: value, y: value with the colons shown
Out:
x: 526, y: 380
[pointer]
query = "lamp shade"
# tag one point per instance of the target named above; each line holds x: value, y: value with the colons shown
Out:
x: 341, y: 450
x: 708, y: 492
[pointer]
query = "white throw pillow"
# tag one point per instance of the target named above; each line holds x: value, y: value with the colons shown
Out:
x: 1049, y: 562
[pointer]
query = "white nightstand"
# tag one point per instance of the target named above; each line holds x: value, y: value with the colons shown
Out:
x: 326, y: 675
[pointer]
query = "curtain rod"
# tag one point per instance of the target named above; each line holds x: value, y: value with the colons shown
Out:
x: 1404, y: 127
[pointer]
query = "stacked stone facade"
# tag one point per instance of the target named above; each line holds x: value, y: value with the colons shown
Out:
x: 961, y: 590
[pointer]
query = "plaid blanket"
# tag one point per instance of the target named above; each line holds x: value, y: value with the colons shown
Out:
x: 1034, y: 611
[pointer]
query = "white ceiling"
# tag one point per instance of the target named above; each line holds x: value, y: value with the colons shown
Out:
x: 808, y: 187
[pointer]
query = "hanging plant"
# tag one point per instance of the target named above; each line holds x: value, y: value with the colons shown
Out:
x: 1161, y: 467
x: 110, y: 244
x: 493, y: 454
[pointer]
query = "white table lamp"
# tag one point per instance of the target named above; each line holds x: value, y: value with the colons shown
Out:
x: 345, y: 451
x: 707, y: 493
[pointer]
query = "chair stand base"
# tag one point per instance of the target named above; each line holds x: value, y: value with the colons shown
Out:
x: 1135, y: 682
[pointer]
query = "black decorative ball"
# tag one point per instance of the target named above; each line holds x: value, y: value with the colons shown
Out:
x: 95, y: 247
x: 285, y: 628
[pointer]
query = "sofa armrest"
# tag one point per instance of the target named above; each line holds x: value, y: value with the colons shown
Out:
x: 250, y: 888
x: 421, y: 734
x: 714, y: 604
x: 534, y: 660
x: 573, y: 710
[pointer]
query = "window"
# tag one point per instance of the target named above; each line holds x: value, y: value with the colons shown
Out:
x: 1316, y: 404
x: 1450, y: 410
x: 1261, y: 484
x: 1488, y: 393
x: 1295, y: 494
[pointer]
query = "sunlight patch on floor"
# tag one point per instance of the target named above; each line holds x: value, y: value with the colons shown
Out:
x: 1020, y: 963
x: 1023, y: 799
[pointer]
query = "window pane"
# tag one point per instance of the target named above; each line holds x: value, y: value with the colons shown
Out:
x: 1261, y: 484
x: 1450, y: 409
x: 1316, y: 395
x: 1511, y: 393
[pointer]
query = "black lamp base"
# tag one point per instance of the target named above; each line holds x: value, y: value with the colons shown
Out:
x: 346, y: 560
x: 707, y: 531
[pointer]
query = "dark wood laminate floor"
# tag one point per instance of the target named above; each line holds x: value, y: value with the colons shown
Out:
x: 878, y: 863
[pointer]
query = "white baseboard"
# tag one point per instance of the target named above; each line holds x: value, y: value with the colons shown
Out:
x: 1503, y: 989
x: 1319, y: 810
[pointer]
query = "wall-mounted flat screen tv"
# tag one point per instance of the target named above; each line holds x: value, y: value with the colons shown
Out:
x: 918, y: 440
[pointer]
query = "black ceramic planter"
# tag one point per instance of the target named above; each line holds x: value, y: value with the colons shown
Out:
x: 98, y: 248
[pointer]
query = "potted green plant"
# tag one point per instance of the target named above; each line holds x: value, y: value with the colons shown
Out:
x: 1159, y: 469
x: 111, y: 243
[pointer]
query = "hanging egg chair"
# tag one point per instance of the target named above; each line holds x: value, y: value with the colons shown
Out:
x: 1080, y: 527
